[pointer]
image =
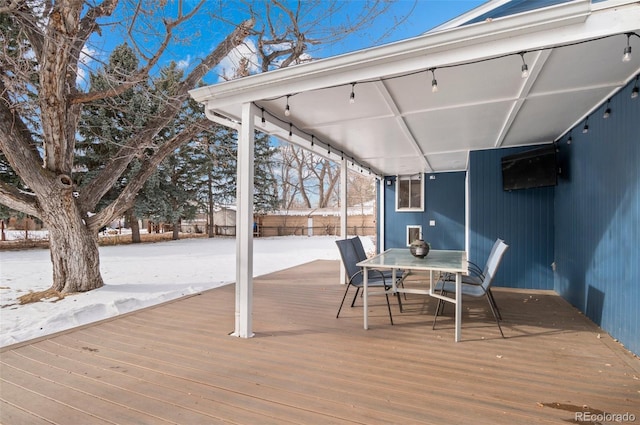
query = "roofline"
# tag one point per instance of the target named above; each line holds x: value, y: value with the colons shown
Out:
x: 383, y: 60
x: 493, y: 4
x: 467, y: 16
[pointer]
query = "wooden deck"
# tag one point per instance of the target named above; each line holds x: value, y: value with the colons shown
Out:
x: 175, y: 364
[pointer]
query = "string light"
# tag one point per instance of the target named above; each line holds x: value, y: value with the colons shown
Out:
x: 525, y: 67
x: 352, y: 97
x: 314, y: 140
x: 287, y: 110
x: 626, y: 57
x: 634, y: 92
x: 585, y: 129
x: 607, y: 111
x: 263, y: 120
x: 434, y: 82
x: 570, y: 139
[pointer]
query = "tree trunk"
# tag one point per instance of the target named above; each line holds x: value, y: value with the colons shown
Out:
x: 134, y: 225
x: 73, y: 246
x: 76, y: 261
x: 176, y: 230
x: 210, y: 212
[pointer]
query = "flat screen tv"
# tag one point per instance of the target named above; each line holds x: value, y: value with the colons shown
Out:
x: 533, y: 168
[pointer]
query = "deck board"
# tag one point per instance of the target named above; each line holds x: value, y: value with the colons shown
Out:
x: 175, y: 363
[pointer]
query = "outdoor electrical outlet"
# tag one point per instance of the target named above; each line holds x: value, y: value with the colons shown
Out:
x: 432, y: 223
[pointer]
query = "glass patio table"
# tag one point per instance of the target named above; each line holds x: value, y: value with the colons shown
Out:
x: 437, y: 261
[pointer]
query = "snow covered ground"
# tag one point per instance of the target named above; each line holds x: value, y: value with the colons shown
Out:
x: 138, y: 276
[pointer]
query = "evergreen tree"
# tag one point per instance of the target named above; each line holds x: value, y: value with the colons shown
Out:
x: 171, y: 194
x: 106, y: 123
x: 265, y: 183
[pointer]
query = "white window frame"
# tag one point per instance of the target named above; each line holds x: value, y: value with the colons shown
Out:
x: 413, y: 180
x: 411, y: 227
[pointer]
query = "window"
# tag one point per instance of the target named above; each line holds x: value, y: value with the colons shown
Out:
x: 410, y: 193
x: 413, y: 232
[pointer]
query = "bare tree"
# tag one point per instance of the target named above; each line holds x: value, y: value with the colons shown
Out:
x: 360, y: 189
x: 43, y: 47
x: 39, y: 111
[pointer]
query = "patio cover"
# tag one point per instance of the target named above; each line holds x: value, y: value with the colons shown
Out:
x: 398, y: 126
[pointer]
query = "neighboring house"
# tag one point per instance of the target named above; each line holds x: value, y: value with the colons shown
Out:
x: 24, y: 223
x: 224, y: 222
x: 435, y: 115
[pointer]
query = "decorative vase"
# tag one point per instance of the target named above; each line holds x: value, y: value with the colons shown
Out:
x: 419, y: 248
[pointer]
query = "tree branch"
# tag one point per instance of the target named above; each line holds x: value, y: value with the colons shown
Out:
x: 28, y: 21
x: 14, y: 198
x: 17, y: 143
x: 142, y: 73
x: 127, y: 197
x: 137, y: 142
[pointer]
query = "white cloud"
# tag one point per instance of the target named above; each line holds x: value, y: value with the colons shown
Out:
x: 228, y: 66
x: 86, y: 57
x: 184, y: 63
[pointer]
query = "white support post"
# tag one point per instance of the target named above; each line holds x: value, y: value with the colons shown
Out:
x: 244, y: 224
x: 343, y: 210
x: 381, y: 221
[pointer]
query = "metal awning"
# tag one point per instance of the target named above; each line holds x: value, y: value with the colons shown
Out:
x: 397, y: 125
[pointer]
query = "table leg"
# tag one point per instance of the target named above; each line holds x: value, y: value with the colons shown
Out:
x: 365, y: 295
x: 393, y: 280
x: 458, y: 306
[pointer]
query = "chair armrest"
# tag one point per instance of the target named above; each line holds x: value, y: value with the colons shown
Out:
x: 475, y: 269
x: 371, y: 271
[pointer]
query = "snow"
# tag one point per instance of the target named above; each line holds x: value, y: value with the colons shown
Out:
x: 138, y: 276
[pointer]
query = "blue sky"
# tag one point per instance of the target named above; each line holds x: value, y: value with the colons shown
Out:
x: 204, y: 32
x: 415, y: 17
x: 423, y: 15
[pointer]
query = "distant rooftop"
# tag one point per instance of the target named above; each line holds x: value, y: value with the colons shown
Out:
x: 513, y: 7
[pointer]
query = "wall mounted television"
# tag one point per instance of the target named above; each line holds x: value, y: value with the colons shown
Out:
x: 533, y: 168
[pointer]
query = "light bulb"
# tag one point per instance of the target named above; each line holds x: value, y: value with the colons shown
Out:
x: 287, y: 110
x: 525, y: 67
x: 434, y: 86
x: 626, y: 56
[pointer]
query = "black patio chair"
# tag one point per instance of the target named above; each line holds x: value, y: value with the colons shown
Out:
x: 376, y: 279
x: 388, y: 274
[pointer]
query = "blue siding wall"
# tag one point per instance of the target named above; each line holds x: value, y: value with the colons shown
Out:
x: 522, y: 218
x: 598, y: 219
x: 444, y: 203
x: 588, y: 225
